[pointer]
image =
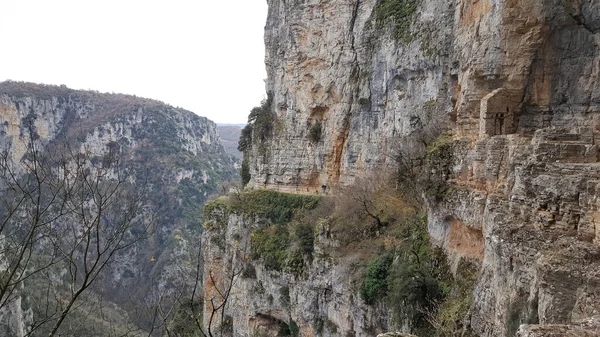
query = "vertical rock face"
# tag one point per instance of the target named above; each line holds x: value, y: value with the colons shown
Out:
x: 527, y: 64
x: 587, y: 328
x: 14, y: 320
x: 515, y: 82
x: 529, y: 176
x: 329, y: 67
x: 533, y: 202
x: 320, y: 300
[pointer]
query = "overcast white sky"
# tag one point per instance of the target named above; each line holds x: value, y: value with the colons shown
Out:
x: 203, y: 55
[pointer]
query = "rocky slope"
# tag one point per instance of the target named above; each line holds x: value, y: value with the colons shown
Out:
x: 279, y: 286
x: 172, y: 155
x: 588, y: 327
x: 515, y: 84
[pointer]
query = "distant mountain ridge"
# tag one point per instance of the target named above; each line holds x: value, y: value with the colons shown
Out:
x: 241, y: 125
x: 230, y: 135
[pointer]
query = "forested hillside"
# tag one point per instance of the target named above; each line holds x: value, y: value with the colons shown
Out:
x: 123, y: 175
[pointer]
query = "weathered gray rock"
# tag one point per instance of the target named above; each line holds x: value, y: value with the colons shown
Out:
x: 327, y: 64
x: 519, y: 81
x: 395, y: 334
x: 323, y: 301
x: 586, y: 328
x: 533, y: 203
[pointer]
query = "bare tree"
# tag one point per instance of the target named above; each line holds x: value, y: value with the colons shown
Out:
x: 105, y: 219
x: 410, y: 150
x: 198, y: 306
x: 64, y: 209
x: 218, y: 300
x: 368, y: 207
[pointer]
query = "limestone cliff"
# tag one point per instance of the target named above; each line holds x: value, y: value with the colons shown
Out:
x: 173, y: 156
x: 516, y: 85
x: 336, y: 66
x: 276, y: 288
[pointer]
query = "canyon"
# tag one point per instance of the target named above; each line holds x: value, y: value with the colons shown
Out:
x: 171, y: 157
x: 512, y: 88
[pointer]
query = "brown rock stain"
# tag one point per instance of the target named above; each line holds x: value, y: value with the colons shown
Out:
x: 8, y: 113
x: 465, y: 241
x: 313, y: 181
x: 456, y: 97
x: 334, y: 162
x: 319, y: 113
x: 312, y: 63
x: 213, y: 284
x: 472, y: 10
x: 302, y: 40
x: 523, y: 34
x: 4, y: 109
x: 540, y: 91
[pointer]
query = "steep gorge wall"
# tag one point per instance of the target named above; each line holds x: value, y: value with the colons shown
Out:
x: 172, y: 157
x: 320, y: 297
x: 516, y: 83
x: 328, y: 65
x: 529, y: 64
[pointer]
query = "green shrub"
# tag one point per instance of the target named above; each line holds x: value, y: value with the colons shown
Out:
x: 245, y: 172
x: 284, y: 330
x: 183, y: 315
x: 413, y: 291
x: 375, y: 282
x: 442, y: 143
x: 318, y: 324
x: 451, y: 313
x: 218, y: 210
x: 227, y: 325
x: 260, y: 126
x: 294, y: 328
x: 295, y: 263
x: 533, y: 315
x: 520, y: 311
x: 514, y: 318
x: 330, y: 326
x: 261, y: 119
x: 412, y: 278
x: 249, y: 271
x: 430, y: 104
x: 305, y: 234
x: 396, y: 13
x: 245, y: 141
x: 419, y: 278
x: 274, y: 245
x: 270, y: 244
x: 278, y: 207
